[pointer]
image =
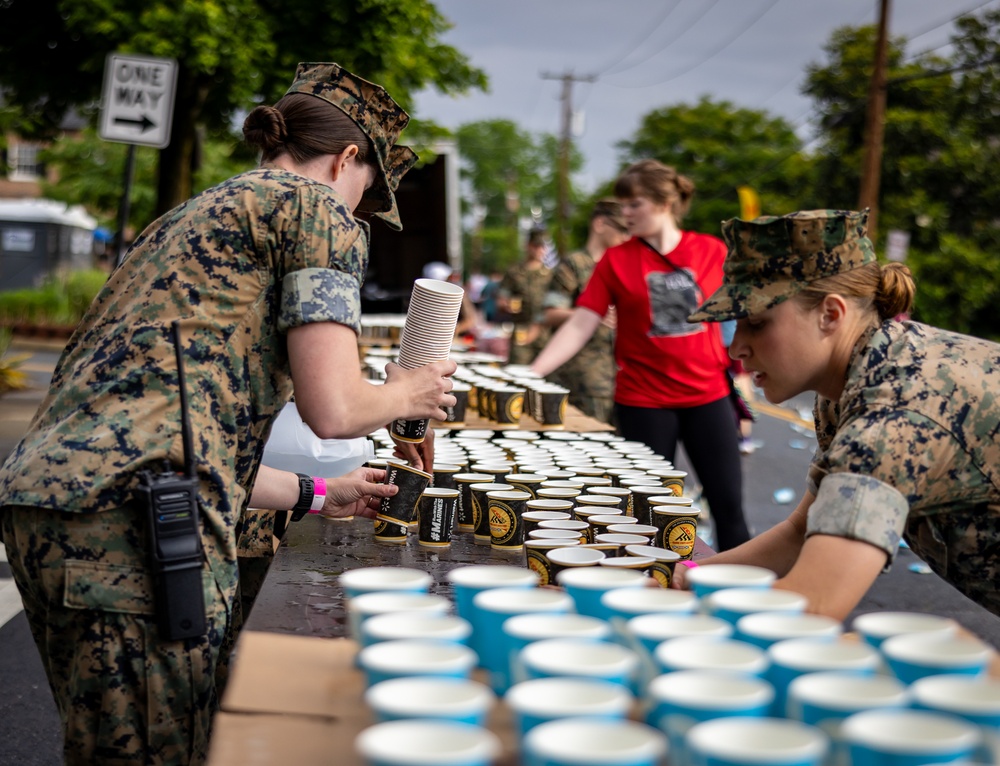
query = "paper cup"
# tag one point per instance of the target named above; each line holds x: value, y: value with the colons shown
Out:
x: 580, y: 658
x: 576, y: 742
x: 550, y: 699
x: 708, y: 579
x: 907, y: 738
x: 376, y: 579
x: 918, y: 655
x: 876, y: 627
x: 586, y: 585
x: 730, y: 604
x: 415, y: 657
x: 420, y: 742
x: 427, y: 697
x: 401, y: 507
x: 755, y: 742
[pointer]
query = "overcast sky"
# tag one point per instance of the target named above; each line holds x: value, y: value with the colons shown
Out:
x: 647, y: 54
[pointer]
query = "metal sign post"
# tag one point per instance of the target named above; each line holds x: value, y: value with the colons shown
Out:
x: 137, y: 107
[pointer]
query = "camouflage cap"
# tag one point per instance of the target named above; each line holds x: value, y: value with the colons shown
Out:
x: 382, y: 120
x: 772, y: 258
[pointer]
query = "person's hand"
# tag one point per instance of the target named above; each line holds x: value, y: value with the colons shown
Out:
x: 357, y: 493
x: 610, y: 319
x: 679, y: 580
x: 419, y: 455
x: 426, y: 389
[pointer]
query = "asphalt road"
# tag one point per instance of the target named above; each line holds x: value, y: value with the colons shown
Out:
x: 29, y: 725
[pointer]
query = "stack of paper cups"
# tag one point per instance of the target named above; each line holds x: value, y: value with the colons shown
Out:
x: 427, y: 336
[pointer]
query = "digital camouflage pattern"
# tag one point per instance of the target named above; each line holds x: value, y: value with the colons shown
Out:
x: 382, y: 120
x: 529, y: 287
x: 912, y: 448
x: 238, y: 265
x: 590, y: 375
x: 772, y: 258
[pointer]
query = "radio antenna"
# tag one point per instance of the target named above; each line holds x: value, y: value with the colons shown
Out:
x: 185, y: 420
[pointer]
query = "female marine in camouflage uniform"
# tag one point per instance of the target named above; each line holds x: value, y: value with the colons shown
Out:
x: 907, y: 416
x: 264, y: 273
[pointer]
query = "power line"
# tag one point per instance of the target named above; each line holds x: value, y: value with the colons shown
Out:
x: 631, y: 47
x: 951, y: 41
x: 946, y: 22
x: 726, y: 43
x: 706, y: 7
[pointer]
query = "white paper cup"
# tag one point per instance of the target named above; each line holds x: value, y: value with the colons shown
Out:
x: 767, y: 628
x: 452, y: 699
x: 415, y: 657
x: 423, y: 742
x: 586, y: 585
x: 548, y: 699
x: 907, y: 738
x: 711, y: 653
x: 581, y: 742
x: 755, y: 742
x: 797, y: 656
x: 977, y: 700
x: 374, y: 579
x: 395, y: 626
x: 580, y: 658
x: 876, y: 627
x: 366, y: 605
x: 654, y: 629
x: 730, y: 604
x: 708, y: 579
x: 917, y: 655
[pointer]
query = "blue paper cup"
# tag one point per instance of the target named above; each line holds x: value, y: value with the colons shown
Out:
x: 413, y: 657
x: 681, y: 700
x: 876, y: 627
x: 651, y: 630
x: 580, y: 658
x: 918, y: 655
x: 395, y: 626
x: 730, y: 604
x: 493, y: 608
x: 797, y: 656
x: 825, y: 700
x: 907, y: 738
x: 977, y: 700
x: 467, y: 581
x: 767, y: 628
x: 525, y: 629
x: 374, y: 579
x: 711, y: 653
x: 755, y: 742
x: 449, y: 699
x: 367, y: 605
x: 419, y: 742
x: 708, y: 579
x: 585, y: 742
x: 549, y: 699
x: 586, y: 585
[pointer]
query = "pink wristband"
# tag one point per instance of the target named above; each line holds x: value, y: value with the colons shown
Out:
x: 319, y: 494
x: 689, y: 564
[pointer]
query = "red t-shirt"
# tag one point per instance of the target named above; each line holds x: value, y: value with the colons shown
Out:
x: 663, y: 360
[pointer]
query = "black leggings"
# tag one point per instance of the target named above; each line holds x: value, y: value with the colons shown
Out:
x: 711, y: 441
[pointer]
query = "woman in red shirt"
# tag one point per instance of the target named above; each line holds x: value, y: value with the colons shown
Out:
x: 671, y: 384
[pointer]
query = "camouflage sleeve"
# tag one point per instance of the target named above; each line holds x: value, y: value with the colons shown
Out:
x: 859, y: 508
x: 320, y: 295
x: 563, y: 287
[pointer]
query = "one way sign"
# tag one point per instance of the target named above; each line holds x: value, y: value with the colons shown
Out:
x: 137, y: 103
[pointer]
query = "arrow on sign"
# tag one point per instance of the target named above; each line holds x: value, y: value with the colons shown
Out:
x: 143, y: 124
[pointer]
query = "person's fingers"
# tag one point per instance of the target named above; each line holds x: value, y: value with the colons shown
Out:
x: 379, y: 490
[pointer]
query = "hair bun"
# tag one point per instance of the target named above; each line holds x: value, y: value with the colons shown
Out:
x: 264, y: 128
x: 896, y: 290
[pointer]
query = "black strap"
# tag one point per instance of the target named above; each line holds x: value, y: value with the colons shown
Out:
x: 670, y: 263
x: 307, y: 491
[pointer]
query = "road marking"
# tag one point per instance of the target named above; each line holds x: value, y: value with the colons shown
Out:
x: 782, y: 414
x: 10, y: 602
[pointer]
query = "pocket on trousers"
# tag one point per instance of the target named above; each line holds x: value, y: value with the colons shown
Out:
x: 108, y: 587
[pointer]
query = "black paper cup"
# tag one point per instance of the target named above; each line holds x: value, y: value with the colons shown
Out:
x: 525, y: 482
x: 436, y: 517
x: 676, y: 528
x: 480, y: 510
x: 537, y: 560
x: 642, y: 510
x: 402, y: 507
x: 456, y: 413
x: 464, y: 519
x: 505, y: 510
x: 553, y: 408
x: 444, y: 475
x: 509, y: 404
x: 390, y: 532
x: 664, y: 562
x: 412, y: 431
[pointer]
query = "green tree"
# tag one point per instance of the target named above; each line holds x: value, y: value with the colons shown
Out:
x: 230, y: 55
x: 941, y: 146
x: 722, y: 147
x: 500, y: 167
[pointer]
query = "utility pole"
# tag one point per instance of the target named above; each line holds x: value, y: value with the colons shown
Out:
x: 871, y: 169
x: 565, y: 142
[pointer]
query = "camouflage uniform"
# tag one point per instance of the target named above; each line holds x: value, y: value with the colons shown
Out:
x: 528, y: 286
x: 238, y: 265
x: 913, y: 442
x: 590, y: 375
x: 910, y: 449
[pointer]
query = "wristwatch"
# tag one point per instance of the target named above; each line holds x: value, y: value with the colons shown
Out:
x: 312, y: 495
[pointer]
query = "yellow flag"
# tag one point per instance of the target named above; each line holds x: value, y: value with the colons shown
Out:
x: 749, y: 203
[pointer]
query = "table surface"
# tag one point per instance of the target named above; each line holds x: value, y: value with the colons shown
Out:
x: 301, y: 594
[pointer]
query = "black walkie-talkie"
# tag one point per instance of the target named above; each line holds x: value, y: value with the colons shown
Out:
x: 171, y: 503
